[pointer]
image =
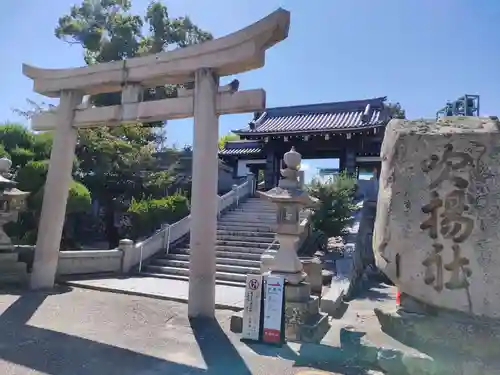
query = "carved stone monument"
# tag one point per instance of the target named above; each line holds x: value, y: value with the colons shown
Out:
x: 303, y: 321
x: 12, y: 201
x: 437, y: 229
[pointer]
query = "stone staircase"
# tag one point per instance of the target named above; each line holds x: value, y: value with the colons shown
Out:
x: 243, y: 234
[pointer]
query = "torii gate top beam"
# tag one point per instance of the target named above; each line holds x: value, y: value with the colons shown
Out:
x: 238, y: 52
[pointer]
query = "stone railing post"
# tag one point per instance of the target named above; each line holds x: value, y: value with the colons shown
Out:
x: 252, y: 182
x: 236, y: 200
x: 128, y: 249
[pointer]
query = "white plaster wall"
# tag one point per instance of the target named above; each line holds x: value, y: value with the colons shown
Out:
x: 243, y: 166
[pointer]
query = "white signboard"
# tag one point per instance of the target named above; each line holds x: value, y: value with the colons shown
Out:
x: 273, y: 309
x: 251, y: 311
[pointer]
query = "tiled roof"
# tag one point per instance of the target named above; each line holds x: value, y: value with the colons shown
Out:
x: 241, y: 148
x: 315, y: 118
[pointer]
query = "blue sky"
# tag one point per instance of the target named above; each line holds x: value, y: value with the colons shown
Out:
x: 418, y: 52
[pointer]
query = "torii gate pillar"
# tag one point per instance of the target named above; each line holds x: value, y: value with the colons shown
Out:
x: 55, y: 194
x: 204, y: 199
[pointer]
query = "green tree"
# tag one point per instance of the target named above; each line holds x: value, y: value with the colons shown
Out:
x: 227, y: 138
x: 29, y: 153
x: 334, y: 212
x: 396, y: 111
x: 114, y: 161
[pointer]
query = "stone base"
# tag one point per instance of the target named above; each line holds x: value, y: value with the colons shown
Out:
x: 457, y: 344
x: 12, y: 272
x: 303, y: 321
x: 332, y: 300
x: 313, y: 268
x: 302, y: 326
x: 236, y: 324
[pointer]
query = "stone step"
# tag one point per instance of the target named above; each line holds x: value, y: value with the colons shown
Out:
x: 245, y: 228
x: 236, y: 249
x: 226, y: 276
x: 219, y: 266
x: 224, y: 254
x: 228, y: 237
x: 12, y: 267
x: 247, y: 219
x: 247, y: 244
x: 246, y: 234
x: 14, y: 277
x: 249, y: 211
x: 254, y: 210
x: 241, y: 284
x: 255, y: 207
x: 8, y: 257
x: 219, y: 260
x: 248, y: 223
x: 253, y: 218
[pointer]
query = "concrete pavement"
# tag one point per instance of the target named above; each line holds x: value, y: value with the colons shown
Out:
x: 87, y: 332
x: 226, y: 297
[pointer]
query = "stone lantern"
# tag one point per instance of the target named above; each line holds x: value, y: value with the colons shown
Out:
x: 300, y: 307
x: 12, y: 201
x: 290, y: 199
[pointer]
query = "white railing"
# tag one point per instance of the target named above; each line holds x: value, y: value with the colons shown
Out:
x: 171, y: 233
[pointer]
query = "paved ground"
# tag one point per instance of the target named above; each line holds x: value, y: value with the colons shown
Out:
x: 79, y: 331
x: 230, y: 297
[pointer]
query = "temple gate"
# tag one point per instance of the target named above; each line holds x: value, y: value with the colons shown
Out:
x: 350, y: 131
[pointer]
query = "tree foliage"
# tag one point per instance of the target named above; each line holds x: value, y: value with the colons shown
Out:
x: 396, y: 111
x: 29, y: 153
x: 227, y: 138
x: 336, y: 206
x: 117, y: 163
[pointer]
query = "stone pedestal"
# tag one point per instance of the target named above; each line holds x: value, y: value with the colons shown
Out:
x: 313, y: 269
x: 303, y: 321
x: 454, y: 342
x: 12, y: 272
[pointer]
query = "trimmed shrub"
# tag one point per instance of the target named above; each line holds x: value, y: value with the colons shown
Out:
x: 147, y: 215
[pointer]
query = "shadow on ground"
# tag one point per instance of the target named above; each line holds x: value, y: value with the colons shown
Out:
x: 351, y: 358
x: 56, y: 353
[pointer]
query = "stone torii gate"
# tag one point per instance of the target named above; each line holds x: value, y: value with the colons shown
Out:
x: 205, y: 63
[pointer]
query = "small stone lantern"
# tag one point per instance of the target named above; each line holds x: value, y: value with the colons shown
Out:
x: 12, y: 201
x: 303, y: 321
x: 290, y: 199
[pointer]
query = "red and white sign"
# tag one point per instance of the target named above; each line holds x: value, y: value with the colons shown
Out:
x: 273, y: 309
x: 251, y: 310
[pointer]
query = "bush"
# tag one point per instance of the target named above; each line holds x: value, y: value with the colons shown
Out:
x: 79, y: 199
x: 32, y: 176
x: 334, y: 212
x: 21, y: 156
x: 147, y: 215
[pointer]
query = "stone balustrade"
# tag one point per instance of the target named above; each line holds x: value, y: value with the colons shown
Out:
x: 129, y: 255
